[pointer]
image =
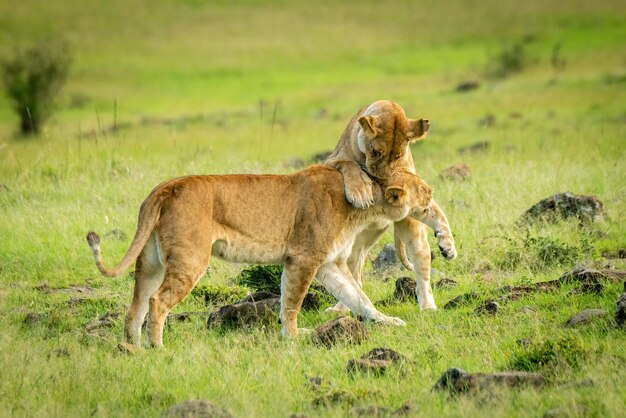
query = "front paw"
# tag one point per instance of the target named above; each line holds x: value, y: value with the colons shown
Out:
x: 391, y: 321
x: 359, y: 192
x: 446, y: 245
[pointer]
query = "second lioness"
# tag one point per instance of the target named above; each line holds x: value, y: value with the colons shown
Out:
x: 300, y: 220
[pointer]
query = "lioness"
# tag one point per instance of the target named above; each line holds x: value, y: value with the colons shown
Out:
x: 376, y: 143
x: 301, y: 220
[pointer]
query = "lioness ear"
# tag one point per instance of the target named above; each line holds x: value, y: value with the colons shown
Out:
x: 368, y: 123
x: 418, y: 129
x: 395, y: 195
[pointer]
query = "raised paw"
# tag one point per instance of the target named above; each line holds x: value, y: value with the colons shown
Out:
x: 446, y: 245
x: 359, y: 191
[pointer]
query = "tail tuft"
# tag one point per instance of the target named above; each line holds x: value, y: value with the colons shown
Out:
x: 93, y: 239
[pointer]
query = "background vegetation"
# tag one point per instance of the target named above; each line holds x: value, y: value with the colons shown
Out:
x: 165, y: 88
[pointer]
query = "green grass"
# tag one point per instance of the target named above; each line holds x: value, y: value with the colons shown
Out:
x: 194, y: 88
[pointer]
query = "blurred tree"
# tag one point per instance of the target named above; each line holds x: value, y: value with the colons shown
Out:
x: 32, y: 79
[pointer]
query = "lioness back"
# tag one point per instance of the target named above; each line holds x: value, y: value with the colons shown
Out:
x: 257, y: 218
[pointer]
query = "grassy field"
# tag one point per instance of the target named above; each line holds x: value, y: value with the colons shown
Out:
x: 194, y: 87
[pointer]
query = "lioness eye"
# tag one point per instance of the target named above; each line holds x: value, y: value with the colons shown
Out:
x: 375, y: 153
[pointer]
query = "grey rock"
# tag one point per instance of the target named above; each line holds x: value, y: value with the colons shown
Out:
x: 586, y: 316
x: 450, y: 378
x: 386, y: 259
x: 565, y: 205
x: 341, y: 330
x: 197, y: 408
x: 457, y: 380
x: 245, y: 314
x: 488, y: 307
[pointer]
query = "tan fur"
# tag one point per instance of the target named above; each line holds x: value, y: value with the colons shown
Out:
x: 376, y: 142
x: 301, y: 221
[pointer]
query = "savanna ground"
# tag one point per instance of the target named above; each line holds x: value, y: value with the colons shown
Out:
x: 194, y: 87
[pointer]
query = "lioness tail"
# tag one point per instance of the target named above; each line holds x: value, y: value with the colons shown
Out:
x: 148, y: 217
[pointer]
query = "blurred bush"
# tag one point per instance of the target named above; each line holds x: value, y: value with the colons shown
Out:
x: 32, y: 79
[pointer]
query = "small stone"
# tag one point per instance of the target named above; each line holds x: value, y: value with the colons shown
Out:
x: 382, y: 353
x: 314, y: 383
x: 344, y: 329
x: 461, y: 300
x: 405, y: 289
x: 457, y: 172
x: 334, y: 397
x: 407, y: 409
x: 376, y: 367
x: 475, y: 147
x: 586, y: 316
x: 620, y: 311
x: 33, y: 318
x: 446, y: 283
x: 198, y: 408
x: 450, y: 378
x: 370, y: 411
x: 524, y: 342
x: 321, y: 157
x: 527, y: 309
x: 487, y: 121
x: 489, y: 307
x: 386, y: 259
x: 466, y: 86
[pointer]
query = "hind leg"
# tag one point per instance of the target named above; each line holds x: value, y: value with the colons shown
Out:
x: 175, y: 287
x: 149, y: 273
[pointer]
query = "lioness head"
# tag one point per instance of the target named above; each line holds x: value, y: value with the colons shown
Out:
x: 385, y: 135
x: 407, y: 190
